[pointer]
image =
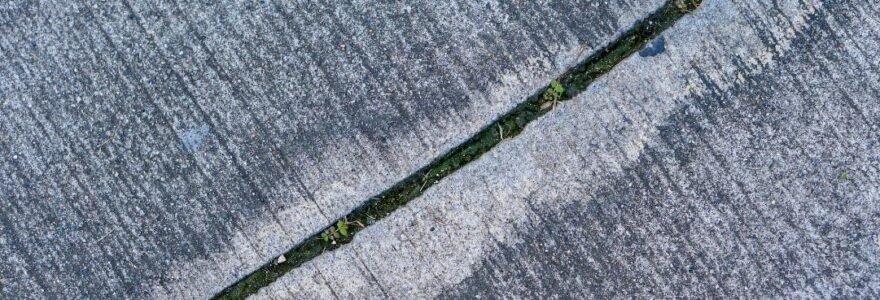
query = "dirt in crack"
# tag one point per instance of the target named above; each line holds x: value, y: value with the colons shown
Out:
x: 511, y: 124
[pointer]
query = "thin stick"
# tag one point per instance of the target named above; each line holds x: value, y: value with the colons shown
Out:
x: 107, y: 140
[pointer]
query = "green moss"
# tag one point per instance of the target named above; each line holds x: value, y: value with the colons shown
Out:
x: 509, y: 125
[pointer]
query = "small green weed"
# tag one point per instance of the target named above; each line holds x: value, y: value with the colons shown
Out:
x: 552, y: 95
x: 339, y: 231
x: 557, y: 88
x: 843, y: 175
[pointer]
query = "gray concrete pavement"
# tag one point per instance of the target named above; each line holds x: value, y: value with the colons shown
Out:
x: 740, y: 162
x: 164, y: 149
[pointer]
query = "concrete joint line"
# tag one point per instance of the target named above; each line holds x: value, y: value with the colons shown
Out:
x: 508, y: 126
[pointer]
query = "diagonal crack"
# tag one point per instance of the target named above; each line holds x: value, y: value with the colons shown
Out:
x: 511, y: 124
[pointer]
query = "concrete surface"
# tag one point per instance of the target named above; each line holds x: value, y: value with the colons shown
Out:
x: 741, y: 162
x: 164, y: 149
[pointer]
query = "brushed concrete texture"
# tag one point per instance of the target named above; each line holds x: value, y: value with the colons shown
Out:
x: 164, y: 149
x: 739, y: 162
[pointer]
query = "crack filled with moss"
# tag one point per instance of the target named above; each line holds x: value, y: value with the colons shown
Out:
x: 511, y: 124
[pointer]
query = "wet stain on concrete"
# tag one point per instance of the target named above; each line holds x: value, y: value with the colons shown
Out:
x: 194, y: 139
x: 654, y: 48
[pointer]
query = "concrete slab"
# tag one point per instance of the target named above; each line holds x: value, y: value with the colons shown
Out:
x: 164, y: 149
x: 738, y: 162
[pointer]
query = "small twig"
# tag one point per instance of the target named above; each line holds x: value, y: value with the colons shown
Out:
x: 500, y: 131
x: 107, y: 140
x: 422, y: 188
x: 103, y: 237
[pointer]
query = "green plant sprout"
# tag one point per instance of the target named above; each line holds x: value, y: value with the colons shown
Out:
x: 553, y: 94
x: 338, y: 231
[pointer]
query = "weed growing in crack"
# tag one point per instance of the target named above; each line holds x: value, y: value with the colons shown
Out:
x: 339, y: 231
x: 552, y: 95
